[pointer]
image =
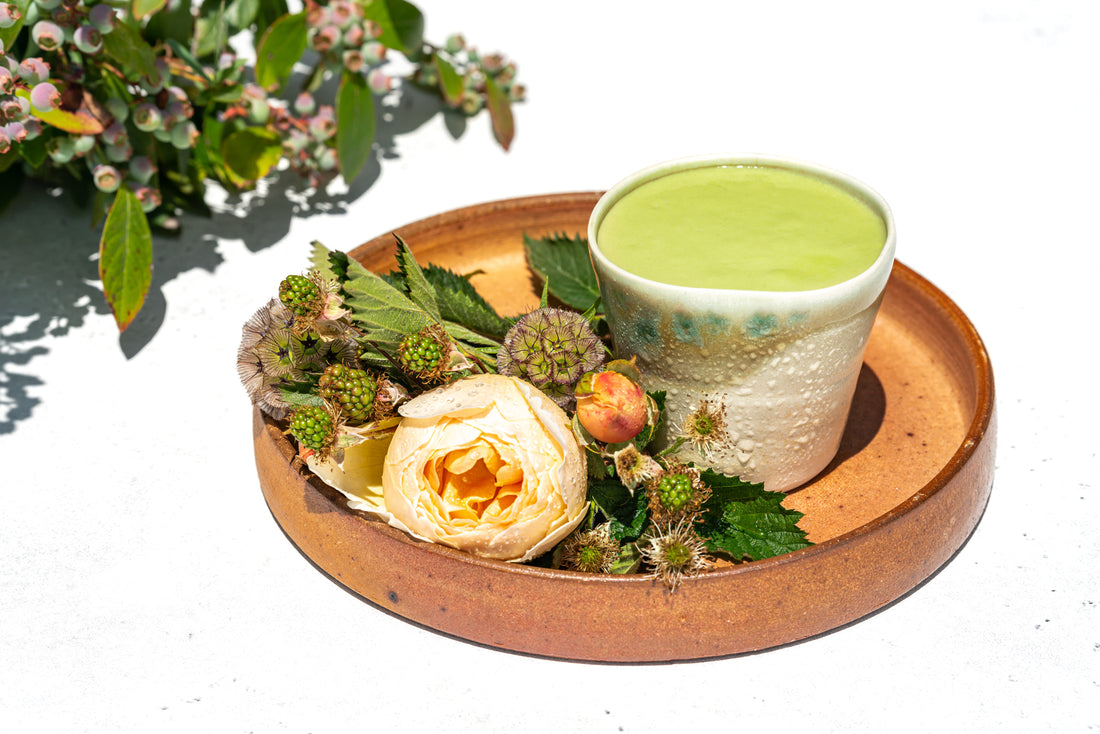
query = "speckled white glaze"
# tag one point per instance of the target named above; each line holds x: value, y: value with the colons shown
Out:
x: 780, y: 365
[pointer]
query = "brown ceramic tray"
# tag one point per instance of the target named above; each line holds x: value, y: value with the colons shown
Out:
x: 910, y: 483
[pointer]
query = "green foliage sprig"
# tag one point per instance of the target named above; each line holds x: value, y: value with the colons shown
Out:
x: 134, y: 106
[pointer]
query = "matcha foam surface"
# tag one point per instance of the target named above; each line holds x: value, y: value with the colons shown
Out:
x: 755, y: 228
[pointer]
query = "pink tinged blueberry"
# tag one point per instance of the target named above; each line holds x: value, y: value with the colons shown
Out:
x: 45, y: 97
x: 5, y: 141
x: 149, y: 198
x: 326, y: 38
x: 142, y: 168
x: 33, y: 70
x: 47, y: 35
x: 184, y: 135
x: 304, y: 104
x: 114, y: 134
x: 353, y: 36
x: 102, y: 16
x: 323, y: 125
x: 14, y: 108
x: 60, y: 149
x: 9, y: 15
x: 7, y: 81
x: 379, y: 82
x: 118, y: 152
x: 147, y: 117
x: 88, y: 39
x: 373, y: 52
x: 353, y: 61
x: 106, y: 178
x: 16, y: 132
x: 326, y: 159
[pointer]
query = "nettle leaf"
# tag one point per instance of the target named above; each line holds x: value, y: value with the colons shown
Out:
x: 416, y: 285
x: 383, y: 313
x: 251, y: 152
x: 745, y: 520
x: 279, y: 49
x: 500, y: 111
x: 126, y: 257
x: 320, y: 259
x: 401, y: 22
x: 354, y: 124
x: 143, y: 8
x: 129, y: 50
x: 451, y: 83
x: 626, y: 512
x: 459, y: 301
x: 9, y: 34
x: 630, y: 558
x: 564, y: 263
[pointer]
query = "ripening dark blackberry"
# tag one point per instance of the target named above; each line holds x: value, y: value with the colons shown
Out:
x: 301, y: 295
x: 314, y: 427
x: 351, y: 389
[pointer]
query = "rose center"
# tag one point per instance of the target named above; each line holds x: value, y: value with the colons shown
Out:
x: 477, y: 483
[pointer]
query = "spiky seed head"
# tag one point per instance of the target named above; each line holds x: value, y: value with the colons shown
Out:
x: 351, y: 389
x: 634, y: 468
x: 591, y: 551
x: 705, y: 426
x: 551, y: 348
x: 673, y: 551
x: 676, y: 493
x: 315, y: 427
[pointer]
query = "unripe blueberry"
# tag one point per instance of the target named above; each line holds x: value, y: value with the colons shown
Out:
x: 294, y: 142
x: 66, y: 19
x: 106, y: 178
x: 184, y: 135
x: 32, y: 128
x: 373, y: 52
x: 353, y: 60
x: 16, y: 132
x: 102, y: 16
x: 164, y: 134
x: 47, y: 4
x: 14, y: 109
x: 9, y: 15
x: 118, y: 152
x: 45, y: 97
x: 471, y: 102
x: 341, y: 13
x: 83, y: 143
x: 353, y: 36
x: 454, y: 43
x: 60, y: 149
x: 114, y: 134
x: 118, y: 108
x: 147, y: 117
x: 142, y: 168
x: 258, y: 111
x: 5, y: 141
x: 7, y: 81
x: 323, y: 125
x: 47, y: 35
x: 317, y: 16
x: 178, y: 111
x: 325, y: 158
x: 379, y: 82
x: 325, y: 38
x: 33, y: 70
x: 305, y: 104
x: 149, y: 198
x: 88, y: 39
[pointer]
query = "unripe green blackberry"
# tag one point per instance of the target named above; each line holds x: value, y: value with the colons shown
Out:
x: 674, y: 492
x: 300, y: 294
x: 353, y: 390
x: 420, y: 353
x: 313, y: 427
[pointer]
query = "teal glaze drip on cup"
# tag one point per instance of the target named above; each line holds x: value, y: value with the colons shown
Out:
x: 779, y: 367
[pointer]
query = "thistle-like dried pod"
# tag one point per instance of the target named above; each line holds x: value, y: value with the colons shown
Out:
x: 552, y: 349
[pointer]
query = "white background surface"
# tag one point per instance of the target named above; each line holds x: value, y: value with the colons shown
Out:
x: 144, y: 586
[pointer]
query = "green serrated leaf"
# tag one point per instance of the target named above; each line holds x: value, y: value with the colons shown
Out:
x: 460, y: 302
x: 279, y: 49
x: 354, y: 124
x: 401, y: 22
x: 416, y: 285
x: 320, y: 259
x: 564, y: 262
x: 500, y: 111
x: 142, y: 8
x: 383, y: 313
x: 301, y: 398
x: 251, y: 153
x: 451, y: 84
x: 126, y: 257
x: 625, y: 512
x: 128, y: 49
x: 758, y: 528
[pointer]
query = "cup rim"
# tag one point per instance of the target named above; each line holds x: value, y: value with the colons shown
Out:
x: 872, y: 280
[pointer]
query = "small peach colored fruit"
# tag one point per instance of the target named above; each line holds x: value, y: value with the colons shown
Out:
x: 610, y: 406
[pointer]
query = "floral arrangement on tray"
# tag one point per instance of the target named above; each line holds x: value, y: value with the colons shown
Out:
x: 521, y: 439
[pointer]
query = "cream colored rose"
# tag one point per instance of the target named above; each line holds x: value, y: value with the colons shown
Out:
x: 488, y: 465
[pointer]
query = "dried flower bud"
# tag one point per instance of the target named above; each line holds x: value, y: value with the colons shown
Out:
x: 373, y: 52
x: 551, y: 348
x: 106, y: 178
x: 47, y: 35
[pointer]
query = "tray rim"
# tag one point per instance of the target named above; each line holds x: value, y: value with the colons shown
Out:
x: 980, y: 433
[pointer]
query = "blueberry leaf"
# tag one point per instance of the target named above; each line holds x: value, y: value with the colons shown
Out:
x: 500, y: 111
x: 401, y: 22
x: 354, y: 124
x: 450, y: 82
x: 125, y: 257
x: 279, y: 48
x: 251, y: 153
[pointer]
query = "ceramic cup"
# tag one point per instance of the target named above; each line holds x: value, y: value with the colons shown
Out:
x: 779, y: 367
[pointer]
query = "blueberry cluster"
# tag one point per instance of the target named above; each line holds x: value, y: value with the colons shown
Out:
x: 474, y: 69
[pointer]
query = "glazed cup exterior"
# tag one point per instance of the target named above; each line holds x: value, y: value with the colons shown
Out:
x: 778, y: 367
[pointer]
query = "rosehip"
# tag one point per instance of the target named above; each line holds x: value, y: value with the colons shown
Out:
x: 47, y: 35
x: 102, y: 16
x: 147, y: 117
x: 611, y: 406
x: 45, y: 97
x: 88, y: 39
x: 106, y: 178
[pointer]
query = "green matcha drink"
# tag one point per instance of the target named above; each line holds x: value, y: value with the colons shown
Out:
x: 742, y: 227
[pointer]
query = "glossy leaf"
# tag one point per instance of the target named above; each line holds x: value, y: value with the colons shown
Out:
x: 500, y: 110
x: 126, y: 257
x: 401, y: 22
x: 144, y: 8
x: 241, y: 13
x: 279, y: 49
x: 252, y: 152
x: 129, y: 50
x: 354, y: 124
x: 450, y: 81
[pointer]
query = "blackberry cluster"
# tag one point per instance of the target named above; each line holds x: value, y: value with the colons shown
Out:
x: 420, y: 354
x: 299, y: 294
x: 352, y: 389
x: 313, y: 427
x: 674, y: 492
